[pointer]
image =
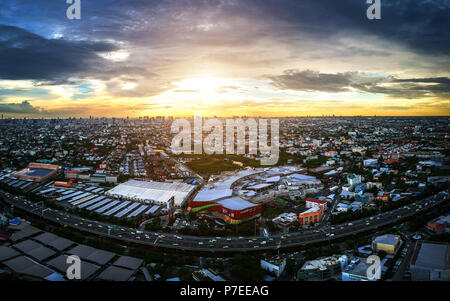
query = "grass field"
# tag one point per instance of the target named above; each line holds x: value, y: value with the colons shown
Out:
x: 215, y: 164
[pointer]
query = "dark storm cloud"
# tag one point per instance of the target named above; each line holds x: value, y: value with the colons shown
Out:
x: 315, y: 81
x: 25, y: 55
x: 421, y: 25
x: 309, y: 80
x: 20, y: 108
x: 150, y: 27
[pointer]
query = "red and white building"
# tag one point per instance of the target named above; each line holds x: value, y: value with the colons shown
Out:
x: 313, y: 203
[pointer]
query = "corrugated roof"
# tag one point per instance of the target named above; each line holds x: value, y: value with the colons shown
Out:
x: 236, y: 203
x: 153, y: 191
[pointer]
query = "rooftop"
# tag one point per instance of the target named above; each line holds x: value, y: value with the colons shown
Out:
x: 322, y: 264
x: 387, y: 239
x: 357, y: 267
x: 206, y: 195
x: 236, y: 203
x: 432, y: 256
x: 152, y: 191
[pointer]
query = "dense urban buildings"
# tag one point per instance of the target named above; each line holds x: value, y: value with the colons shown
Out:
x: 344, y: 189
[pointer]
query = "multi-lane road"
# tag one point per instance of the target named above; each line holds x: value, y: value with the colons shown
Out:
x: 225, y: 244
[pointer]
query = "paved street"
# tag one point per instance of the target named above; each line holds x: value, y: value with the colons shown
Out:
x: 224, y: 244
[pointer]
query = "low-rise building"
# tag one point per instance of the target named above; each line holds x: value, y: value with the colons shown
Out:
x: 323, y: 269
x: 342, y: 207
x: 430, y: 262
x: 311, y: 203
x: 357, y: 270
x: 286, y: 219
x: 440, y: 225
x: 37, y: 172
x: 354, y: 180
x: 311, y: 216
x: 388, y: 243
x: 275, y: 265
x: 206, y: 275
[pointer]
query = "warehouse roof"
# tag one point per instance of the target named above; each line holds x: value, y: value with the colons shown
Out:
x: 302, y: 178
x: 153, y: 191
x: 128, y: 262
x: 114, y: 273
x: 25, y: 232
x: 27, y: 266
x: 226, y: 184
x: 60, y: 264
x: 236, y: 203
x: 206, y: 195
x: 7, y: 253
x: 34, y: 249
x: 259, y: 186
x: 54, y: 241
x: 433, y: 256
x: 91, y: 254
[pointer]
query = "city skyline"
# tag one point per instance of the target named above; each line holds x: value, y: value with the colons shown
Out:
x: 224, y: 58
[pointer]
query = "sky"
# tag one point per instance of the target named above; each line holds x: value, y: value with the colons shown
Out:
x: 269, y: 58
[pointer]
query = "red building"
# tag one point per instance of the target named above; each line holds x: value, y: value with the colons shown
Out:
x: 310, y: 203
x: 233, y: 210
